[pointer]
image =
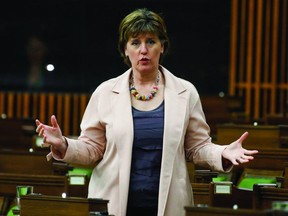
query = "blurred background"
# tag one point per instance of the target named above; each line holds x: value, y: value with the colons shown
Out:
x: 77, y: 40
x: 234, y: 51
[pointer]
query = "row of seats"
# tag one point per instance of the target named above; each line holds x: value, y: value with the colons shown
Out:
x: 257, y: 186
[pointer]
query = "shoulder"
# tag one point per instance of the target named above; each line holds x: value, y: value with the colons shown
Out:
x: 112, y: 85
x: 177, y: 83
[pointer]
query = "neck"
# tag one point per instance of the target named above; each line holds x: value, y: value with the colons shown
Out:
x: 152, y: 79
x: 144, y: 78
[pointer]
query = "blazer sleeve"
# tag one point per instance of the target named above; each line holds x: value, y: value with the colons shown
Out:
x: 89, y: 148
x: 198, y: 144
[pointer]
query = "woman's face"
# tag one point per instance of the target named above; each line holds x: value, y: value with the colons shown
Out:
x: 144, y: 52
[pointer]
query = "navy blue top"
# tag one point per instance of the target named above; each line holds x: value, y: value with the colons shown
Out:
x: 146, y: 157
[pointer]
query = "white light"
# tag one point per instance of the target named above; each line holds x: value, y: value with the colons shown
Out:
x: 31, y: 150
x: 255, y: 123
x: 63, y: 195
x: 221, y: 94
x: 50, y: 67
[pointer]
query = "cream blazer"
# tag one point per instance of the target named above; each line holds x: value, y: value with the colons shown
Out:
x: 107, y: 136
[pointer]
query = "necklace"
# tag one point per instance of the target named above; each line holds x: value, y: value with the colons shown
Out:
x: 147, y: 97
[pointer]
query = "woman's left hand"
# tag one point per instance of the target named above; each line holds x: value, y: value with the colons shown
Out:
x: 236, y: 153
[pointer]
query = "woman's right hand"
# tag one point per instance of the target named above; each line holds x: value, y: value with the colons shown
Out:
x: 52, y: 136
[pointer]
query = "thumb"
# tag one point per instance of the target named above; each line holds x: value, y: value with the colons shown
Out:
x: 54, y: 121
x: 243, y: 137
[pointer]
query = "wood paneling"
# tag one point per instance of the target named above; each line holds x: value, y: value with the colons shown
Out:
x: 258, y: 56
x: 68, y: 108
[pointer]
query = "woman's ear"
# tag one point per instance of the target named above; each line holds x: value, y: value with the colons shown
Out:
x: 125, y: 50
x: 162, y: 48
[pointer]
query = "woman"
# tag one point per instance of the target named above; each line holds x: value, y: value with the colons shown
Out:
x: 141, y: 127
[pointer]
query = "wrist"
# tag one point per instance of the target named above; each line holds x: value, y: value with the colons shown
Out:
x: 226, y: 164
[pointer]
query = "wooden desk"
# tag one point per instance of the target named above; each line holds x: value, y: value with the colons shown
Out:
x: 271, y: 159
x: 44, y: 184
x: 32, y: 168
x: 35, y: 205
x: 266, y: 159
x: 29, y: 168
x: 241, y: 198
x: 215, y: 211
x: 219, y: 110
x: 25, y: 162
x: 261, y: 136
x: 264, y: 196
x: 201, y: 193
x: 16, y: 133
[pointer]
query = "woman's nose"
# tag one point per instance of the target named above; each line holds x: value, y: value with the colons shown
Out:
x: 143, y: 48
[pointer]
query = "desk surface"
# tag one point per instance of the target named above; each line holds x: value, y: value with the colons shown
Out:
x: 215, y: 211
x: 53, y: 205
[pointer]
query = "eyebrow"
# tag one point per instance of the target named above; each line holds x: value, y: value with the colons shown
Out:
x: 149, y: 37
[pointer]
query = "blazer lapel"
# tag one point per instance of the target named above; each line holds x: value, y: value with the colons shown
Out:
x: 123, y: 131
x: 175, y: 111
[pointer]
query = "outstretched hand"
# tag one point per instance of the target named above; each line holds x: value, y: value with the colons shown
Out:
x: 236, y: 153
x: 52, y: 135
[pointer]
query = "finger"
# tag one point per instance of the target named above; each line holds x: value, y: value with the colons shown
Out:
x: 44, y: 138
x: 45, y: 145
x: 246, y: 157
x: 39, y: 128
x: 242, y: 160
x: 54, y: 121
x: 37, y: 122
x: 250, y: 152
x: 243, y: 137
x: 41, y: 132
x: 234, y: 162
x: 39, y: 125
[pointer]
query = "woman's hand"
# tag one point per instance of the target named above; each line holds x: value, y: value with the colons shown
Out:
x: 236, y: 154
x: 52, y: 136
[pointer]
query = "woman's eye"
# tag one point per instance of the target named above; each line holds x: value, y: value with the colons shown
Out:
x: 135, y: 43
x: 151, y: 42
